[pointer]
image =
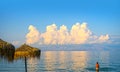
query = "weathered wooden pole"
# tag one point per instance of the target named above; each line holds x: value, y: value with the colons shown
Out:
x: 25, y: 64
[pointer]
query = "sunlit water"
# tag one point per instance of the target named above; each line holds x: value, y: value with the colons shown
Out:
x: 66, y: 61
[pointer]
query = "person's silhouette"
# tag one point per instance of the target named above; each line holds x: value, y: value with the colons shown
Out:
x: 97, y: 66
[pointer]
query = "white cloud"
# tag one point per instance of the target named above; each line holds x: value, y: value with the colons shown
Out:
x: 99, y: 39
x: 63, y: 35
x: 16, y: 43
x: 50, y: 35
x: 79, y: 34
x: 33, y: 35
x: 104, y: 38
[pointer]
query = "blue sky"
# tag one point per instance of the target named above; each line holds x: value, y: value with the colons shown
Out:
x: 102, y: 16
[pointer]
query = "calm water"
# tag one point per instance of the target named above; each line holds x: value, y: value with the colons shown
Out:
x: 66, y: 61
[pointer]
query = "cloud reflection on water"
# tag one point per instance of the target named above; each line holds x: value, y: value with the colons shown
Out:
x: 75, y: 60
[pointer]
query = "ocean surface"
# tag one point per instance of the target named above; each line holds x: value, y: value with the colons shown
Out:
x: 66, y: 61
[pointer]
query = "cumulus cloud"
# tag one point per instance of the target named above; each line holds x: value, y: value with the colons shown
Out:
x: 79, y: 34
x: 16, y: 43
x: 63, y: 35
x: 50, y: 36
x: 103, y: 38
x: 100, y: 39
x: 33, y: 35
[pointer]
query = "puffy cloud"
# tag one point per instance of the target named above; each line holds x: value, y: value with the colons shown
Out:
x: 63, y: 35
x: 50, y: 35
x: 33, y: 35
x: 103, y: 38
x: 79, y: 34
x: 99, y: 39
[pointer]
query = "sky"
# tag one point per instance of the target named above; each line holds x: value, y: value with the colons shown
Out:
x: 50, y: 21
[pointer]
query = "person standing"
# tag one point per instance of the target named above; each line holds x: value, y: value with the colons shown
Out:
x: 97, y: 66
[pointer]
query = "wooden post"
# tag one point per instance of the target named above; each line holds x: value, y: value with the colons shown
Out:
x: 25, y: 64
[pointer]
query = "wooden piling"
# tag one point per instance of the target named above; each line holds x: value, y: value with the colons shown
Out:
x: 25, y: 64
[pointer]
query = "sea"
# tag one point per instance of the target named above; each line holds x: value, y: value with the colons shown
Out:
x: 66, y: 61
